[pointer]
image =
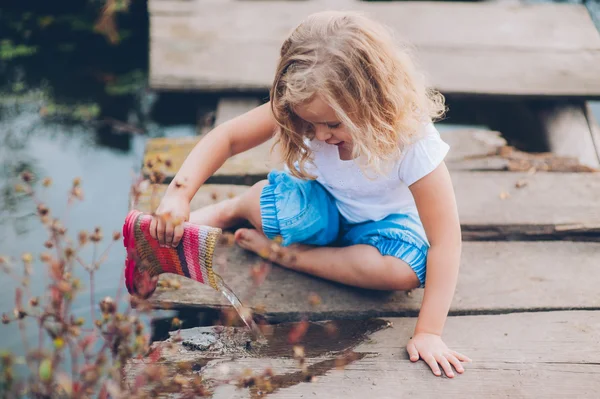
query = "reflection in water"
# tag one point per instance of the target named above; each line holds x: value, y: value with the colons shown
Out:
x: 106, y: 176
x: 72, y: 105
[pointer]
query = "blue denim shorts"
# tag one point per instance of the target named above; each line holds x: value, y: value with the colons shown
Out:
x: 303, y: 212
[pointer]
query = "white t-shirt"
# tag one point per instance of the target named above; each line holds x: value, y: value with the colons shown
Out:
x: 360, y: 198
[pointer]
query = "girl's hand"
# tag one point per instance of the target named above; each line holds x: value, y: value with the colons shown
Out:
x: 433, y: 350
x: 167, y: 224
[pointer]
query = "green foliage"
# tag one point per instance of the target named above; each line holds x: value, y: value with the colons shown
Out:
x: 80, y: 112
x: 129, y: 83
x: 8, y: 50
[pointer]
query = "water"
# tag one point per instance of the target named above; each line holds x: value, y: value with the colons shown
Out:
x: 73, y: 105
x: 241, y: 310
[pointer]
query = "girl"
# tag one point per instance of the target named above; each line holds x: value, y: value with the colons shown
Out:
x: 365, y: 196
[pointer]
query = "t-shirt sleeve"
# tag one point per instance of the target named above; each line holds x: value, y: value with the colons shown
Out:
x: 423, y: 156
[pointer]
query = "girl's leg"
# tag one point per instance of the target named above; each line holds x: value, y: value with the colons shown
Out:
x: 358, y: 265
x: 233, y: 211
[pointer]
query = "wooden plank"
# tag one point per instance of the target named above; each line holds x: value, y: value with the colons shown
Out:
x: 549, y: 355
x: 519, y: 361
x: 208, y: 194
x: 229, y: 108
x: 498, y: 205
x: 569, y: 132
x: 471, y: 149
x: 505, y: 205
x: 245, y: 168
x: 482, y: 49
x: 552, y: 26
x: 594, y: 125
x: 494, y: 277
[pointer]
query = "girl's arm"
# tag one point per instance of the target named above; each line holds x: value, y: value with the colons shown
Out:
x: 208, y: 155
x: 226, y: 140
x: 436, y: 204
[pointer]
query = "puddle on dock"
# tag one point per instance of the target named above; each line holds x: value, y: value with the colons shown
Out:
x: 321, y: 338
x: 324, y: 346
x: 330, y: 345
x: 332, y: 341
x: 317, y: 347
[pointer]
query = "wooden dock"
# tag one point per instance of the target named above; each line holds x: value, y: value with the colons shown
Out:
x: 526, y: 308
x: 527, y: 303
x: 469, y: 49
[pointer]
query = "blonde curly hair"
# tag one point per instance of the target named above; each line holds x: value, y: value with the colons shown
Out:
x: 369, y: 80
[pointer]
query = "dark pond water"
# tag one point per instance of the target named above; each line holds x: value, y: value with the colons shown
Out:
x: 75, y: 105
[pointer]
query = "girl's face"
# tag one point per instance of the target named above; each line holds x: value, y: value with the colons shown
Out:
x: 325, y: 123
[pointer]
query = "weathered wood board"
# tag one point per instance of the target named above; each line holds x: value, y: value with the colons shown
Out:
x: 229, y: 108
x: 490, y: 204
x: 465, y: 48
x: 570, y: 131
x: 545, y: 204
x: 520, y: 355
x: 494, y: 277
x: 470, y: 149
x: 527, y: 355
x: 594, y: 127
x: 208, y: 194
x: 244, y: 168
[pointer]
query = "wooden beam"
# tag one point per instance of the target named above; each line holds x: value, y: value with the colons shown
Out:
x: 229, y: 108
x: 493, y: 205
x: 494, y: 277
x: 473, y: 49
x: 570, y: 131
x: 594, y: 127
x: 515, y: 356
x: 471, y: 149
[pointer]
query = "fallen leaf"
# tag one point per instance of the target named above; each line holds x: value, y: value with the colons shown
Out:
x: 521, y: 183
x: 314, y: 299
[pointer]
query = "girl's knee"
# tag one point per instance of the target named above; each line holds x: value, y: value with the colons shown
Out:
x: 260, y: 185
x: 248, y: 204
x: 256, y: 189
x: 399, y: 274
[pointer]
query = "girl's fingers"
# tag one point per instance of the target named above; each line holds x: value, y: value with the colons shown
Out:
x: 169, y: 233
x: 160, y: 231
x: 153, y: 228
x: 445, y: 365
x: 412, y: 352
x: 430, y: 360
x: 460, y: 356
x: 455, y: 362
x: 178, y: 233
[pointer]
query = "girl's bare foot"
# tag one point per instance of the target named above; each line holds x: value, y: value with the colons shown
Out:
x: 223, y: 214
x: 253, y: 240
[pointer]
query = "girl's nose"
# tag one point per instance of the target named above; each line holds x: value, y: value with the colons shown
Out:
x: 322, y: 133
